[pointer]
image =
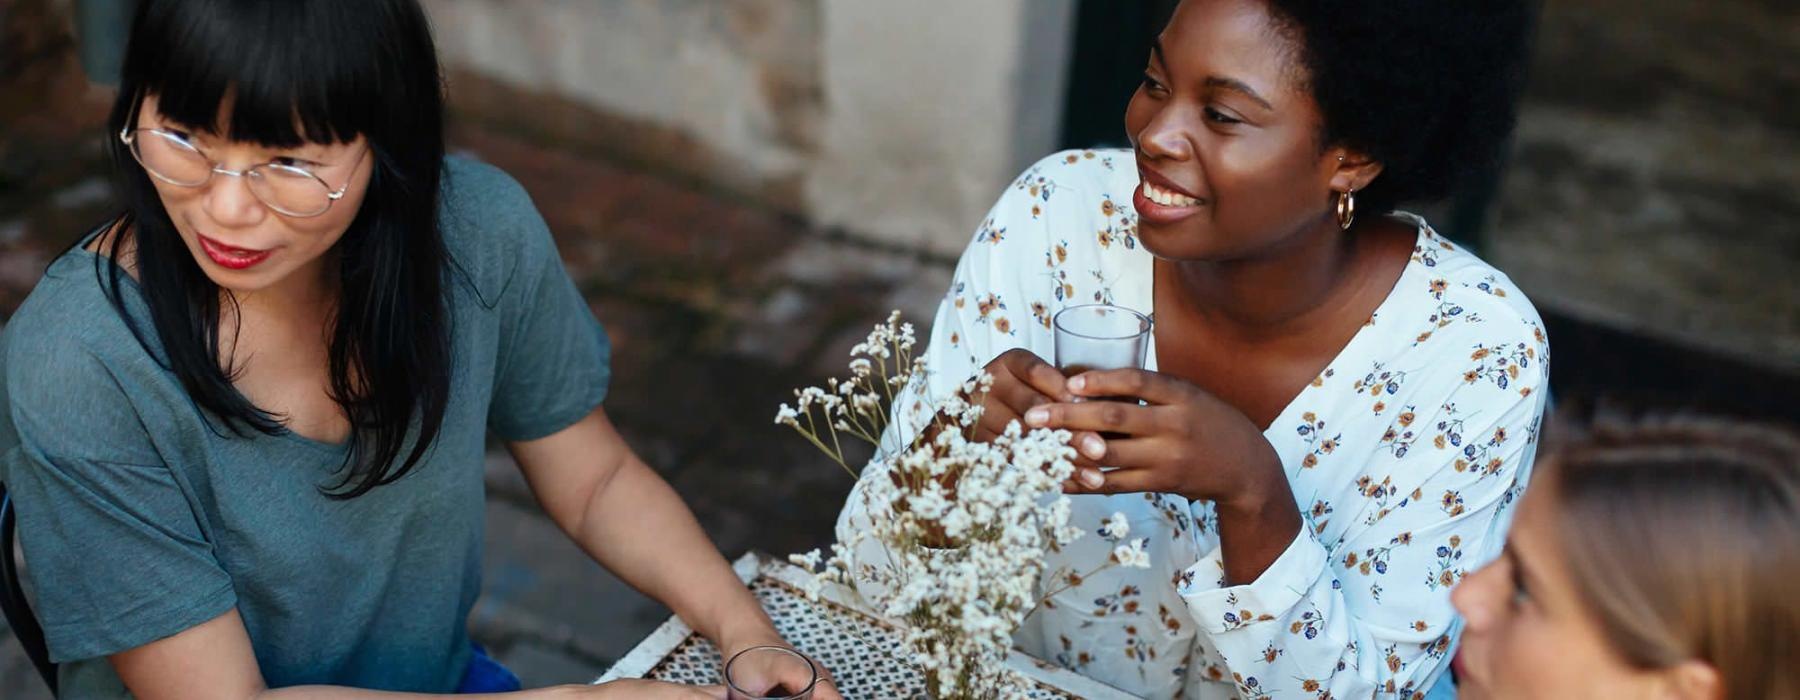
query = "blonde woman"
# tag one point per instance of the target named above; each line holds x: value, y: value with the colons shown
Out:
x: 1656, y: 560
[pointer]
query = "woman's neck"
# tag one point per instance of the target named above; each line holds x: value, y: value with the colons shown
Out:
x: 1279, y: 293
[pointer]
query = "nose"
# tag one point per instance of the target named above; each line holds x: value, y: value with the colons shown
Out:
x: 229, y: 201
x: 1165, y: 136
x: 1475, y: 596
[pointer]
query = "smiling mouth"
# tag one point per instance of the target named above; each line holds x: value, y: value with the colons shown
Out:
x: 1167, y: 197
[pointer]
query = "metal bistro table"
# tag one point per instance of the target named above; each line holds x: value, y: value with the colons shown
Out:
x: 862, y: 650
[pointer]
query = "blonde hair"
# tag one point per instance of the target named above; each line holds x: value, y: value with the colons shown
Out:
x: 1683, y: 537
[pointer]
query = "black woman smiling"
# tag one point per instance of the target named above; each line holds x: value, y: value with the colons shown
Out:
x: 1339, y: 406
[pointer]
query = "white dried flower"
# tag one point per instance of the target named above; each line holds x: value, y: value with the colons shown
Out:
x: 808, y: 561
x: 1116, y: 527
x: 1132, y: 555
x: 999, y: 503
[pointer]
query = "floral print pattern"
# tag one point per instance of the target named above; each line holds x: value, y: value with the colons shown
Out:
x: 1404, y: 455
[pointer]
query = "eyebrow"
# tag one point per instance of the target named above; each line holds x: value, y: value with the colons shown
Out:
x: 1214, y: 81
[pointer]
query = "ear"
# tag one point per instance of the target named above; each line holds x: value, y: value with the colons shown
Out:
x: 1691, y: 680
x: 1353, y: 169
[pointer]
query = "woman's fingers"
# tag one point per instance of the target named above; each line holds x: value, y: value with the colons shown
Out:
x: 1041, y: 376
x: 1116, y: 417
x: 1123, y: 480
x: 994, y: 418
x: 1154, y: 388
x: 1016, y: 395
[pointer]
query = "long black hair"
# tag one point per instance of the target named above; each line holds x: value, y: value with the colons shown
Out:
x: 319, y: 71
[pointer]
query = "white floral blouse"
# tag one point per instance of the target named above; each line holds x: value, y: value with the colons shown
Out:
x: 1404, y: 456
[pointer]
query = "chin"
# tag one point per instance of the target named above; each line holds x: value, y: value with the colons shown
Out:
x: 239, y: 281
x: 1183, y: 242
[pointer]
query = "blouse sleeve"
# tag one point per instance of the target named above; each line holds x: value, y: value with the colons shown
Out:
x: 1369, y: 615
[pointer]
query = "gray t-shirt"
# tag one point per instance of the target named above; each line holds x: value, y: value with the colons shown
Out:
x: 138, y: 520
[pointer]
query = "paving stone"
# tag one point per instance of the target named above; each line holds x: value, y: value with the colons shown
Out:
x: 784, y: 329
x: 539, y: 665
x: 823, y: 261
x: 1651, y: 187
x: 917, y: 297
x: 539, y: 586
x: 18, y: 678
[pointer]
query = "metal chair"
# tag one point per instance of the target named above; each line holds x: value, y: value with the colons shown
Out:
x: 12, y: 599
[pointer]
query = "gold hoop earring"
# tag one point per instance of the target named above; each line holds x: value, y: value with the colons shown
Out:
x: 1346, y: 209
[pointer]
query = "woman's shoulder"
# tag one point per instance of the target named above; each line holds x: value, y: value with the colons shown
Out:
x: 66, y: 362
x: 1452, y: 321
x: 1454, y: 288
x: 67, y: 313
x: 474, y: 189
x: 489, y: 224
x: 1070, y: 205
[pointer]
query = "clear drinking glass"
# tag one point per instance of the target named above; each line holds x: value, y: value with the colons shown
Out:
x: 749, y: 674
x: 1100, y: 336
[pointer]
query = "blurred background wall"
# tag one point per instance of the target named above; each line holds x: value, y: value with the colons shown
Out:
x: 894, y: 121
x: 742, y: 187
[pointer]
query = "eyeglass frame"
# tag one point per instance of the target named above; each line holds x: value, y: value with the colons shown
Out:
x: 128, y: 136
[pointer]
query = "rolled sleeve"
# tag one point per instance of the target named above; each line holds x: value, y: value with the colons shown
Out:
x: 1220, y: 609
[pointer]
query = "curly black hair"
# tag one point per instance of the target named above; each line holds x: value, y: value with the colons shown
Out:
x: 1427, y: 87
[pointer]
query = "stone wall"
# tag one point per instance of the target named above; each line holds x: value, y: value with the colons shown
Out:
x: 896, y: 122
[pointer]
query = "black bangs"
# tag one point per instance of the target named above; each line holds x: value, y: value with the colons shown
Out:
x: 289, y: 71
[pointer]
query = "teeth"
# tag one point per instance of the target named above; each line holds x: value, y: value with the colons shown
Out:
x: 1168, y: 198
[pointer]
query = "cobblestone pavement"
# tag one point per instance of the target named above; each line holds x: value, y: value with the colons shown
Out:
x: 1637, y: 135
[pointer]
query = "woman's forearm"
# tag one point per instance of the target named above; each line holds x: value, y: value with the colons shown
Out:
x: 1257, y: 524
x: 639, y: 528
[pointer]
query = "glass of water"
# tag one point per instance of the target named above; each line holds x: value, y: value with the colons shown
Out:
x: 1100, y: 336
x: 756, y: 674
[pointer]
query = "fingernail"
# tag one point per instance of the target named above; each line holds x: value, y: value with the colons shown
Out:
x: 1077, y: 383
x: 1091, y: 478
x: 1037, y: 417
x: 1093, y: 447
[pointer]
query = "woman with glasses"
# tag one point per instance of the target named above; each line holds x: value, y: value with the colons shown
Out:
x: 244, y: 422
x: 1650, y: 559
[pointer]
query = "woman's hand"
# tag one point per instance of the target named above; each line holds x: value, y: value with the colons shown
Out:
x: 1023, y: 381
x: 761, y: 672
x: 1183, y: 441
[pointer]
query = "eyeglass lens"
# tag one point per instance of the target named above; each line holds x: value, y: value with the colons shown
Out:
x: 287, y: 190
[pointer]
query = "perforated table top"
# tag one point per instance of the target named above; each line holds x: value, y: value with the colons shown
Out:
x: 863, y: 651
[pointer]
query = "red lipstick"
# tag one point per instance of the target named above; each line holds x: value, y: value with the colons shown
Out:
x: 231, y: 257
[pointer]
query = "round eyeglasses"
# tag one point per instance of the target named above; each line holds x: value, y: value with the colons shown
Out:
x: 288, y: 190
